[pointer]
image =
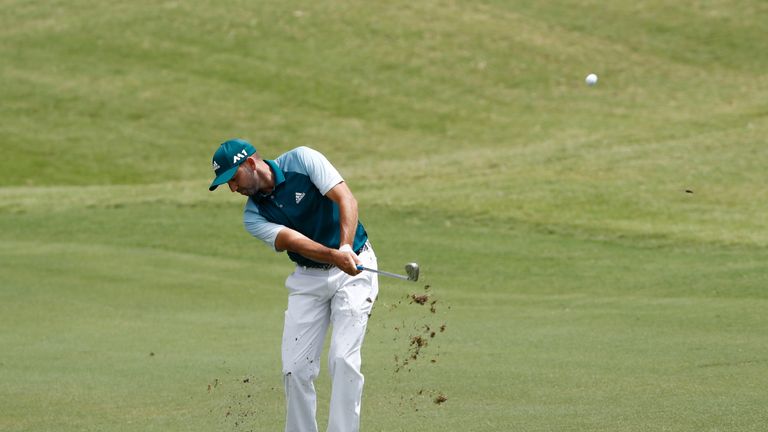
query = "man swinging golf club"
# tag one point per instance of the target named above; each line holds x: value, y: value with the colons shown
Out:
x: 299, y: 203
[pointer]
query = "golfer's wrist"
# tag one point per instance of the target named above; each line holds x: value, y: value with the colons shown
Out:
x: 346, y: 248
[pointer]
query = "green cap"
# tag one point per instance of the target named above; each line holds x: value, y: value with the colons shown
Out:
x: 228, y: 158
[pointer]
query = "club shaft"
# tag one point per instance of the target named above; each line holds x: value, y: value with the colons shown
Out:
x: 385, y: 273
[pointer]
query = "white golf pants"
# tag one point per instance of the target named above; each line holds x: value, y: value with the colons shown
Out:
x: 316, y: 299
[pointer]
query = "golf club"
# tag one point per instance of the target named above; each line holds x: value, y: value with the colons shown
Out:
x: 411, y: 269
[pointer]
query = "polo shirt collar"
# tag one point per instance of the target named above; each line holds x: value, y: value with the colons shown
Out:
x: 279, y: 176
x: 279, y: 179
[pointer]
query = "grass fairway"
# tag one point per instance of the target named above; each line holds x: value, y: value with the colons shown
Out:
x: 597, y: 255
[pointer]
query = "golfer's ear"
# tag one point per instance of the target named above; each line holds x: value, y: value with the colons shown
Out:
x: 251, y: 161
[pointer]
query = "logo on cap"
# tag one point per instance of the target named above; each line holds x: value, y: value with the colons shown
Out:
x: 215, y: 166
x: 236, y: 158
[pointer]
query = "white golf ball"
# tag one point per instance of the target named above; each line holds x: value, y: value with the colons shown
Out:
x: 591, y: 79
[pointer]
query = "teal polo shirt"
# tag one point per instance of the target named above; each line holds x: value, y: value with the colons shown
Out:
x: 302, y: 178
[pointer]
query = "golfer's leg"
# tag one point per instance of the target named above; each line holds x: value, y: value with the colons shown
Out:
x: 306, y: 323
x: 350, y: 308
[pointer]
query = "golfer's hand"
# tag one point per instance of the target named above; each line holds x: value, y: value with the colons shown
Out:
x: 347, y: 260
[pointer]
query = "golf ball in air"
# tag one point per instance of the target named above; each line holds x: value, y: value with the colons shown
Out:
x: 591, y: 79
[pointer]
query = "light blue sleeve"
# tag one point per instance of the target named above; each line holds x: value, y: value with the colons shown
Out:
x: 320, y: 171
x: 259, y: 227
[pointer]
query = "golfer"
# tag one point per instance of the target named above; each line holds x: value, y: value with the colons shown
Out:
x: 300, y: 204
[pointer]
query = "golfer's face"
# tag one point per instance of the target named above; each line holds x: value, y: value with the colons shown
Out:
x: 244, y: 181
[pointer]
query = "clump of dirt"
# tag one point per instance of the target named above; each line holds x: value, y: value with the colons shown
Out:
x: 419, y: 336
x: 419, y: 298
x: 421, y: 332
x: 421, y: 398
x: 417, y: 343
x: 423, y: 299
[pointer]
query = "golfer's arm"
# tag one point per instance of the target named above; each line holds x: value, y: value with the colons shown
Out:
x: 294, y: 241
x: 341, y: 195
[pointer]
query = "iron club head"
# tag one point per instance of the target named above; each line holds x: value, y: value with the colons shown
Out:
x: 412, y: 270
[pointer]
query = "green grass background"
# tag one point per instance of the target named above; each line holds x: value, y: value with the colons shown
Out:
x: 581, y: 287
